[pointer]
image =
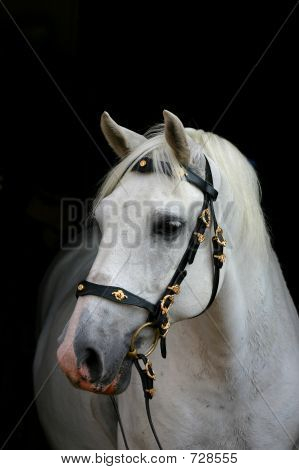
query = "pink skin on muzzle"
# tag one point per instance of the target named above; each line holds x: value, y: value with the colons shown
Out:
x: 79, y: 376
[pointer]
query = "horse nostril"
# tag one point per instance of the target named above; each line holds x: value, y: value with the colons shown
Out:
x: 90, y: 360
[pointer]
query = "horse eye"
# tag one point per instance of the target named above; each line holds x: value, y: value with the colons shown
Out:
x: 168, y: 228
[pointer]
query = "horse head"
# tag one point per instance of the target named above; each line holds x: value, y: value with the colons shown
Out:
x: 147, y: 220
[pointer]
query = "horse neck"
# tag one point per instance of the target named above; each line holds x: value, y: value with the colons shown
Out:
x: 247, y: 308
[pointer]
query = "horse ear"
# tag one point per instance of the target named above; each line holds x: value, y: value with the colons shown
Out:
x: 176, y: 137
x: 122, y: 140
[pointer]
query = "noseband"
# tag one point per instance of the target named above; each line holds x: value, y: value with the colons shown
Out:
x: 158, y: 317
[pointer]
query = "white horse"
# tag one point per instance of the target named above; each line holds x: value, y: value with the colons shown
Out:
x: 231, y: 377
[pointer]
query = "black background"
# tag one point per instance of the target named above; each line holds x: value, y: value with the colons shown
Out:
x: 194, y: 57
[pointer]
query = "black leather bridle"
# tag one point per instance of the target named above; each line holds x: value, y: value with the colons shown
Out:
x: 158, y: 317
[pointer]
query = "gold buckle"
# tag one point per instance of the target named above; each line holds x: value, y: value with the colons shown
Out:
x: 150, y: 374
x: 218, y: 232
x: 119, y: 295
x: 200, y: 237
x: 221, y: 258
x: 165, y: 327
x: 176, y: 288
x: 205, y: 216
x: 151, y: 391
x: 166, y: 309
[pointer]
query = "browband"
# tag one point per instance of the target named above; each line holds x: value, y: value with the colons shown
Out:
x: 145, y: 165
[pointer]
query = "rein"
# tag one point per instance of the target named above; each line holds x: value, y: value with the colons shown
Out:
x: 158, y: 317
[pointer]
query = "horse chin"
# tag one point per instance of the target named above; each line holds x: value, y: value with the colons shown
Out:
x: 118, y: 385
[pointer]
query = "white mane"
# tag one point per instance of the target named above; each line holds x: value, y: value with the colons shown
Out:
x: 244, y: 184
x: 235, y: 170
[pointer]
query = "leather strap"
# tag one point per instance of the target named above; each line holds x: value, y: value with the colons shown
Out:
x: 115, y: 294
x: 204, y: 186
x: 115, y: 406
x: 195, y: 241
x: 145, y: 165
x: 147, y: 377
